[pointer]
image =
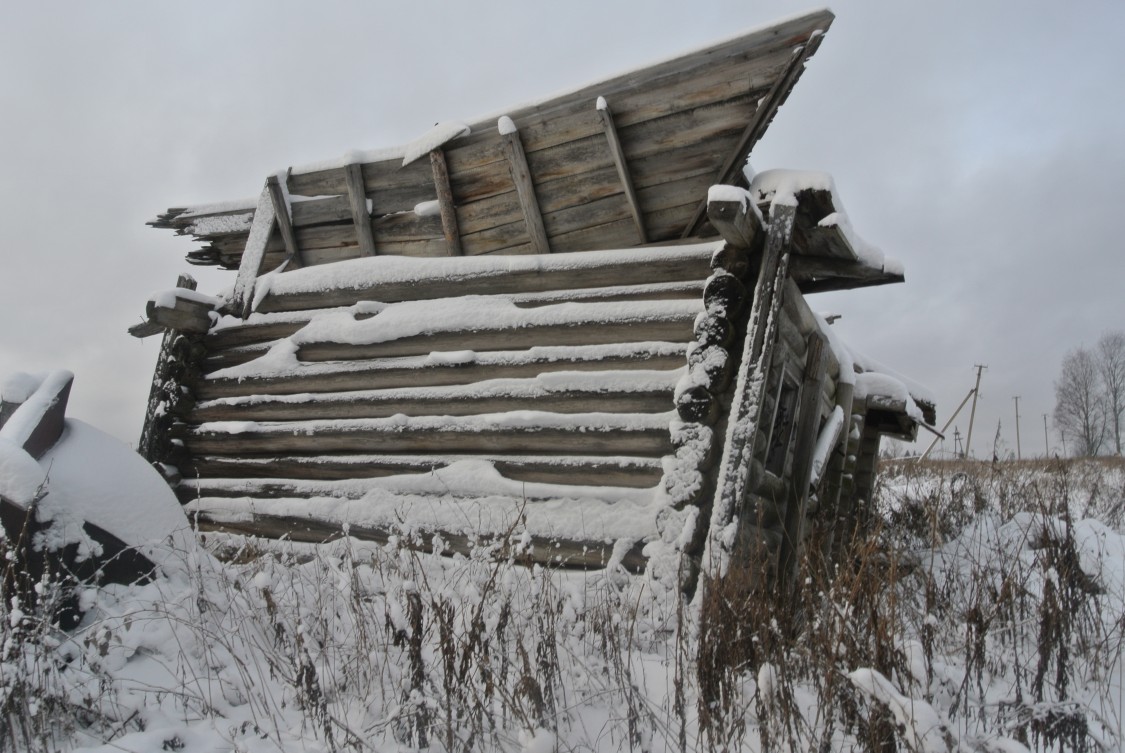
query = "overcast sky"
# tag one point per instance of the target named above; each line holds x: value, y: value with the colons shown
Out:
x: 981, y: 143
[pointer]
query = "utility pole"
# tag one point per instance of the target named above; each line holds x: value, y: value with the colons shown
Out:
x: 1046, y: 442
x: 1018, y: 454
x: 973, y: 412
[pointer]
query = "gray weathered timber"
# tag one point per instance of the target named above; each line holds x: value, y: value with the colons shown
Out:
x: 264, y: 224
x: 357, y: 202
x: 375, y: 405
x: 593, y: 470
x: 736, y: 221
x: 559, y: 553
x: 808, y: 421
x: 284, y: 223
x: 734, y: 479
x: 422, y: 372
x: 622, y: 166
x: 448, y: 210
x: 303, y: 437
x: 611, y: 271
x: 675, y: 327
x: 521, y: 178
x: 186, y: 315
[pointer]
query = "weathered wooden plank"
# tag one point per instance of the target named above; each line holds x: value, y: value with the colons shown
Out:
x: 445, y: 202
x: 357, y: 202
x: 38, y: 422
x: 521, y: 178
x: 588, y: 470
x: 260, y: 231
x: 558, y: 553
x: 185, y: 314
x: 738, y: 222
x: 391, y: 435
x: 621, y: 271
x: 427, y: 372
x: 622, y: 166
x: 673, y: 327
x: 808, y: 422
x: 284, y: 224
x: 448, y: 403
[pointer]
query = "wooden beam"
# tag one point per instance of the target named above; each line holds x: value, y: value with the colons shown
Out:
x: 593, y: 470
x: 735, y: 476
x: 675, y: 326
x: 448, y: 402
x: 808, y: 422
x: 260, y: 230
x: 731, y: 172
x: 457, y: 434
x: 185, y: 315
x: 284, y: 222
x: 357, y: 202
x: 445, y: 200
x: 603, y: 270
x: 37, y: 423
x: 424, y: 372
x: 622, y: 165
x: 558, y: 553
x: 738, y: 222
x: 525, y: 189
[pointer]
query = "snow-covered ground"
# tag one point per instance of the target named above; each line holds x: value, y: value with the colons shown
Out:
x: 985, y: 612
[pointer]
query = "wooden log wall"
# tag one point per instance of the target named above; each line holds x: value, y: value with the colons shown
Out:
x: 578, y: 394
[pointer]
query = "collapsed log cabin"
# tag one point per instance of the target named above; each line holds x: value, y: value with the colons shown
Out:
x: 579, y: 326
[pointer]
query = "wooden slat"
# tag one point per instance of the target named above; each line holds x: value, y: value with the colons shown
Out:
x: 521, y: 178
x: 389, y: 435
x: 449, y: 403
x: 284, y: 224
x: 445, y: 201
x: 622, y: 166
x: 590, y: 470
x: 558, y: 553
x: 260, y: 231
x: 357, y: 202
x: 425, y: 372
x: 621, y: 271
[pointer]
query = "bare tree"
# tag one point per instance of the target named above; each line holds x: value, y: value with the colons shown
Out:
x: 1111, y: 370
x: 1079, y: 403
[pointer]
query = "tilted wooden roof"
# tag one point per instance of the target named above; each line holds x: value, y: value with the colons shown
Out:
x: 621, y: 163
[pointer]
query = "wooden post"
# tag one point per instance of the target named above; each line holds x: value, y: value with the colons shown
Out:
x: 622, y: 165
x: 525, y: 189
x: 808, y: 421
x: 357, y: 202
x: 445, y: 201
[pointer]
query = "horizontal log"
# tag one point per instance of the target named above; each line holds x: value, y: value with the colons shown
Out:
x: 628, y: 434
x: 449, y: 280
x: 557, y: 553
x: 185, y: 313
x: 447, y: 401
x: 675, y: 327
x: 430, y: 372
x: 587, y: 470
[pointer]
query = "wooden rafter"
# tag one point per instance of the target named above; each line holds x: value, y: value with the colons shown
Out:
x: 260, y: 230
x: 449, y: 226
x: 525, y: 189
x: 284, y: 222
x: 357, y: 202
x: 731, y: 172
x: 606, y: 116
